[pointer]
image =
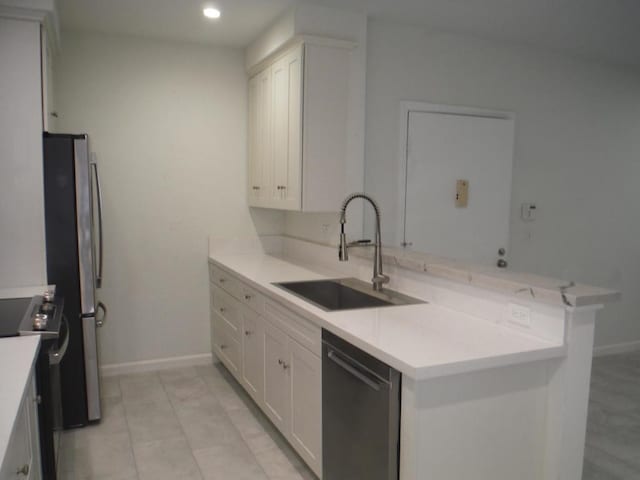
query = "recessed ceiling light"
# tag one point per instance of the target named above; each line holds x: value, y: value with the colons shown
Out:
x: 211, y: 12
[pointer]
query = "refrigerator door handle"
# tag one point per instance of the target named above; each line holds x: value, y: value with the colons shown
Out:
x: 103, y: 307
x: 94, y: 166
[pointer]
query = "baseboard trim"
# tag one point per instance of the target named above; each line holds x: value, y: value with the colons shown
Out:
x: 156, y: 364
x: 616, y: 348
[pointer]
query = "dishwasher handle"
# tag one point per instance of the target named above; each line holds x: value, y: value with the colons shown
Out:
x: 357, y: 370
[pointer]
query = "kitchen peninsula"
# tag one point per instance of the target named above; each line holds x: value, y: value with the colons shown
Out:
x: 494, y: 383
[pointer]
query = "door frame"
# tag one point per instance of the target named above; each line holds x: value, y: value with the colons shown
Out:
x: 406, y: 108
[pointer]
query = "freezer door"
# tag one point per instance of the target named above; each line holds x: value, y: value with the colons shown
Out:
x: 84, y: 214
x: 91, y: 367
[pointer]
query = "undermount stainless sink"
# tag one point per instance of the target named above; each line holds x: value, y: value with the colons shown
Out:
x: 345, y: 294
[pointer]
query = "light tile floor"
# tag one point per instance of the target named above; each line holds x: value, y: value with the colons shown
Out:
x: 613, y: 431
x: 184, y: 424
x: 197, y: 423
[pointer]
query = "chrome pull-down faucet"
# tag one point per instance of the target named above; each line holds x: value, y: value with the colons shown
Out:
x: 379, y: 278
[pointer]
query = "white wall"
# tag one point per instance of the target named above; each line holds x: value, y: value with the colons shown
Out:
x: 22, y: 251
x: 168, y: 124
x: 576, y: 155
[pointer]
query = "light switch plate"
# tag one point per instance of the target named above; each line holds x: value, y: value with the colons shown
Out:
x: 520, y: 315
x: 528, y: 212
x: 462, y: 193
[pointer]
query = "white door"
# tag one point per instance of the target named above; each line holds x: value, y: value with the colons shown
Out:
x: 252, y: 354
x: 287, y: 132
x: 306, y: 405
x: 442, y: 150
x: 277, y: 398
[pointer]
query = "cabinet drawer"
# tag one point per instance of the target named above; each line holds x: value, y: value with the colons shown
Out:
x: 225, y: 346
x: 252, y: 298
x: 298, y: 328
x: 225, y: 280
x: 228, y: 308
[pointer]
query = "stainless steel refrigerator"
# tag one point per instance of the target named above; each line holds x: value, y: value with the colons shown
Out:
x: 73, y: 224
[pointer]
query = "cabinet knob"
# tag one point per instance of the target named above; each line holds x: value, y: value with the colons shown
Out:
x: 223, y: 347
x: 222, y: 280
x: 285, y: 365
x: 248, y: 332
x: 222, y: 309
x: 24, y: 470
x: 280, y: 362
x: 255, y: 187
x: 247, y: 297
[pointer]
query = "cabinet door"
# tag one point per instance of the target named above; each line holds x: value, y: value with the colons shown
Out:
x: 286, y: 80
x: 253, y: 354
x: 260, y: 153
x: 22, y: 458
x: 277, y: 398
x: 306, y: 405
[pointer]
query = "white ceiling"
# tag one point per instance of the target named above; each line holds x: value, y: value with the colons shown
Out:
x: 241, y: 22
x: 600, y: 29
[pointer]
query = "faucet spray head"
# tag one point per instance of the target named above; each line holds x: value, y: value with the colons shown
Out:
x: 343, y: 254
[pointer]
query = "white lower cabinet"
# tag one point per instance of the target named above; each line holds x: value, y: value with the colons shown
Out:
x: 224, y: 346
x: 22, y: 459
x: 277, y: 397
x: 305, y: 372
x: 274, y: 359
x: 253, y: 355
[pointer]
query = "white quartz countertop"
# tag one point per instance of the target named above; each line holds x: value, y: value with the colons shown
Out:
x: 421, y: 341
x: 17, y: 357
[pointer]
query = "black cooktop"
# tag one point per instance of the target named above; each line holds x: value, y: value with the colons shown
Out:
x: 12, y: 311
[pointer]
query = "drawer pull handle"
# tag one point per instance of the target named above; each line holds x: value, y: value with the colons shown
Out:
x: 24, y: 470
x: 247, y: 297
x: 248, y: 332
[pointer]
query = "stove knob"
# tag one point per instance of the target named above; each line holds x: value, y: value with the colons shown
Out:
x: 40, y: 321
x: 48, y: 296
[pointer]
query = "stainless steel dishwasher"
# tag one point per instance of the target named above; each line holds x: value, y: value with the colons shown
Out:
x: 360, y: 414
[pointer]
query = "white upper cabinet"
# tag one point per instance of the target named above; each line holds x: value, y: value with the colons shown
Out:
x: 286, y: 75
x: 298, y: 114
x: 260, y: 155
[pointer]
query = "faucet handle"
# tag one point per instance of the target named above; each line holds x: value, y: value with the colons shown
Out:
x: 379, y: 280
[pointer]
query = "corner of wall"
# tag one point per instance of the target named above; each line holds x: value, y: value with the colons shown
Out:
x: 278, y: 33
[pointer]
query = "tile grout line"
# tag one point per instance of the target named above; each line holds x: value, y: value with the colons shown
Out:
x: 226, y: 412
x: 126, y: 419
x: 184, y: 433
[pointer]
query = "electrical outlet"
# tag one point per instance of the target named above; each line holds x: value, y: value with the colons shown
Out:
x: 520, y: 315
